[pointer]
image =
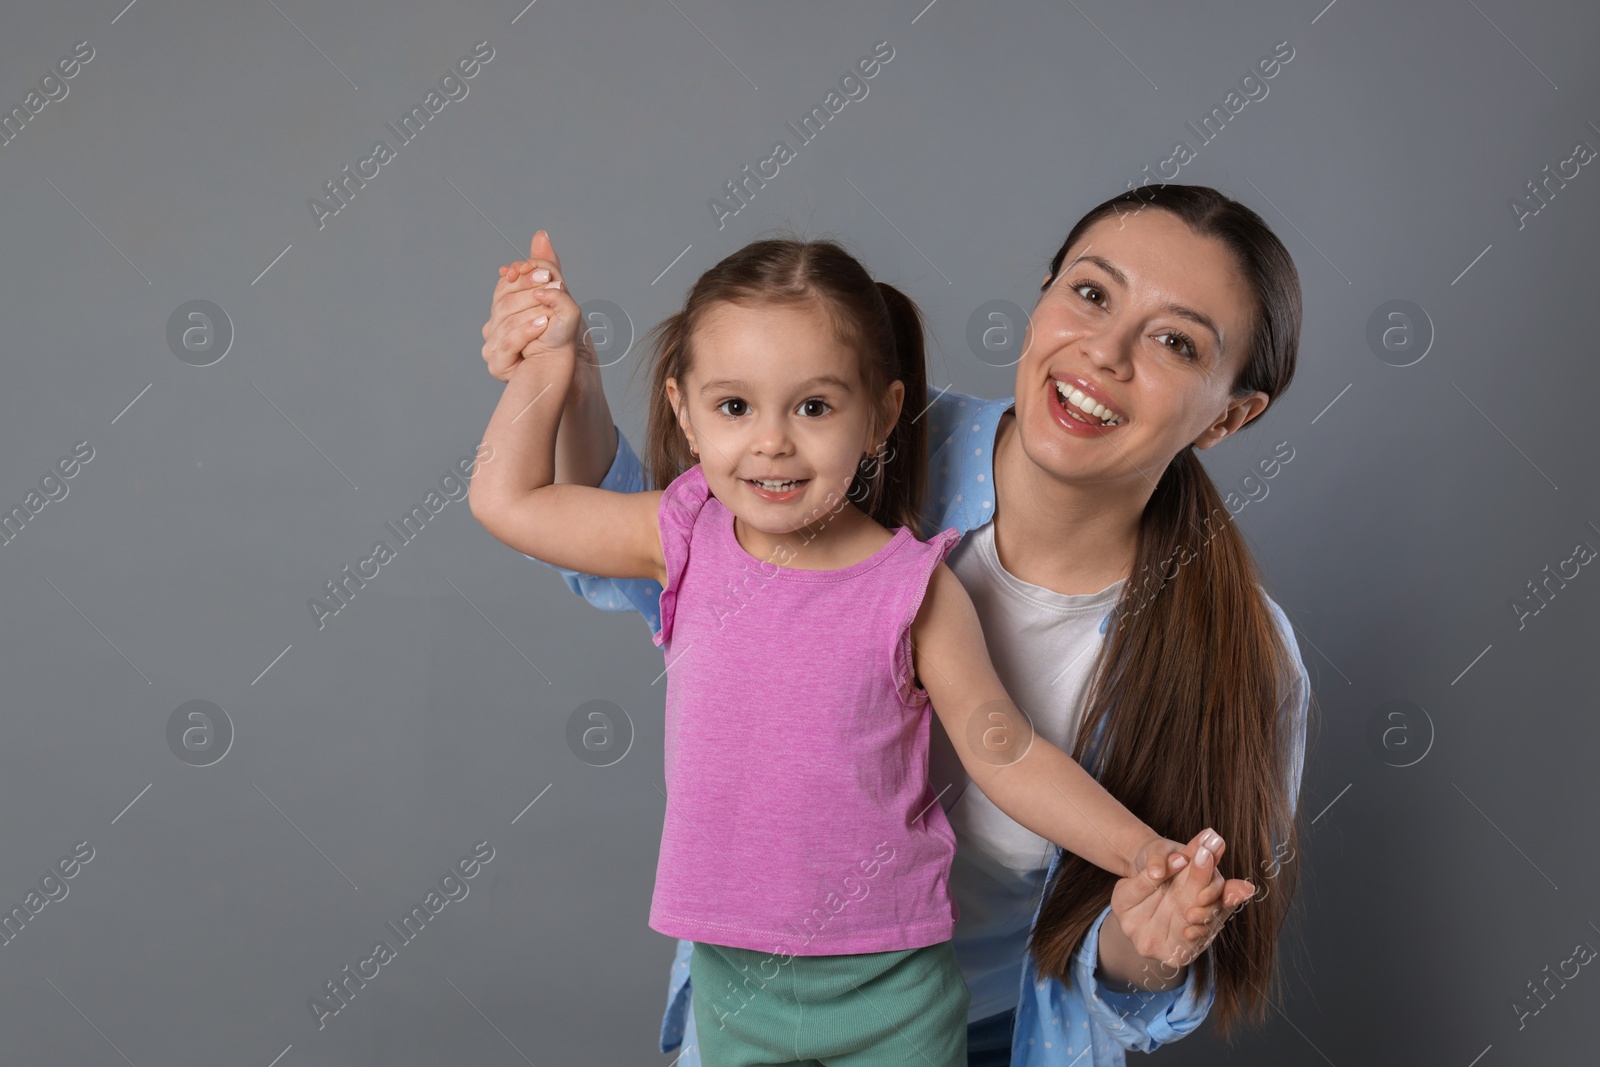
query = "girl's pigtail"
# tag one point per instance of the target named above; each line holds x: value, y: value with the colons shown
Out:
x: 666, y: 451
x: 890, y: 485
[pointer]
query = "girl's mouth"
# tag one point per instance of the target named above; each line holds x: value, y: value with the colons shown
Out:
x: 1079, y: 412
x: 775, y: 490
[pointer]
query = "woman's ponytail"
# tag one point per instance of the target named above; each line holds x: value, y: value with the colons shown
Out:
x: 1189, y: 702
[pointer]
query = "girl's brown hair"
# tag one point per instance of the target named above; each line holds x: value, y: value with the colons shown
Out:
x: 1184, y: 721
x: 880, y: 323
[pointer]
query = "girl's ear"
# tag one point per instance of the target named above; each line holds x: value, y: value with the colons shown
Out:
x: 675, y: 398
x: 894, y: 399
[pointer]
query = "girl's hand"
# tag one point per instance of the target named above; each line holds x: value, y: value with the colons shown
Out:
x: 513, y: 333
x: 1159, y: 858
x: 1173, y: 920
x: 554, y: 326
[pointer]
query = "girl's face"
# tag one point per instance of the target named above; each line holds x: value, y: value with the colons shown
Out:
x: 1146, y: 325
x: 775, y: 406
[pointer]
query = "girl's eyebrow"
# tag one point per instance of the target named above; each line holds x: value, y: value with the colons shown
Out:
x: 1199, y: 318
x: 738, y: 383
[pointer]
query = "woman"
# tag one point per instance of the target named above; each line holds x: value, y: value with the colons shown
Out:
x: 1120, y: 606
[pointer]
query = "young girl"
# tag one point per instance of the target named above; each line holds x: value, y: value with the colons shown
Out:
x: 806, y: 630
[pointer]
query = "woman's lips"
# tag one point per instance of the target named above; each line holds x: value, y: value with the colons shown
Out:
x: 1074, y: 421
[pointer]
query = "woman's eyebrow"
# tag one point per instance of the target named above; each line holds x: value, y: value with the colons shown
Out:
x: 1116, y: 275
x: 1199, y: 318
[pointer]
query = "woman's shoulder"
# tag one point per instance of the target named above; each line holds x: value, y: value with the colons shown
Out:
x: 1286, y: 628
x: 961, y: 439
x: 949, y: 409
x: 1297, y: 678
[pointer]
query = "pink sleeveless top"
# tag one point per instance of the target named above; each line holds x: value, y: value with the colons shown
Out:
x: 799, y: 816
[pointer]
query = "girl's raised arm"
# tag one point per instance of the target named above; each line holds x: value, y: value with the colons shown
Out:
x: 614, y: 535
x: 1027, y: 777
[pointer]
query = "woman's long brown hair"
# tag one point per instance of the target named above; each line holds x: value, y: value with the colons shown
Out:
x: 880, y: 323
x: 1188, y: 695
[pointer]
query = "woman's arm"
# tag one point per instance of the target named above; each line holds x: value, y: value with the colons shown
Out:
x: 586, y: 440
x: 513, y: 494
x: 1027, y: 777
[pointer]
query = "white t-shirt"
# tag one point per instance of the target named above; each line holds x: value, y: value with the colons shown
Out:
x: 1045, y: 646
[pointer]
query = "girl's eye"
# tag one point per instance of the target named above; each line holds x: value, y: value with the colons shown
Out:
x: 733, y: 400
x: 807, y: 406
x: 1185, y: 344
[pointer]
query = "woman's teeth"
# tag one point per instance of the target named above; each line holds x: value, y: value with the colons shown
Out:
x: 1078, y: 399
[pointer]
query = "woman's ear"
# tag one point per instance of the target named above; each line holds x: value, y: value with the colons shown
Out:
x: 1239, y: 412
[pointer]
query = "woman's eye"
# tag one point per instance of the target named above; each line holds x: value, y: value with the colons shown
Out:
x: 1095, y: 289
x: 1185, y: 346
x: 814, y: 407
x: 743, y: 407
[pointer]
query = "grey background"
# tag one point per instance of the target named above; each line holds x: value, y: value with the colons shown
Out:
x: 370, y: 754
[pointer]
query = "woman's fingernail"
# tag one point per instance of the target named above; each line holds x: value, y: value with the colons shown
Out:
x: 541, y: 320
x: 541, y: 275
x: 1179, y: 861
x: 1203, y: 856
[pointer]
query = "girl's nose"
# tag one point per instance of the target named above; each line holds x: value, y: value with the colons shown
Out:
x: 772, y: 438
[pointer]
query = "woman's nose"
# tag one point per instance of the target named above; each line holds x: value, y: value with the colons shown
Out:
x: 1110, y: 349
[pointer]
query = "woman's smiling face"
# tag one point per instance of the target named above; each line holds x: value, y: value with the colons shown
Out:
x: 1146, y: 325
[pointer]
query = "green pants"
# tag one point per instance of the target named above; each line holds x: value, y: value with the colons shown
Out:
x: 754, y: 1009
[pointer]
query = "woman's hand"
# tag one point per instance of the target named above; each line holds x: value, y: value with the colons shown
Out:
x: 515, y: 331
x: 1163, y: 925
